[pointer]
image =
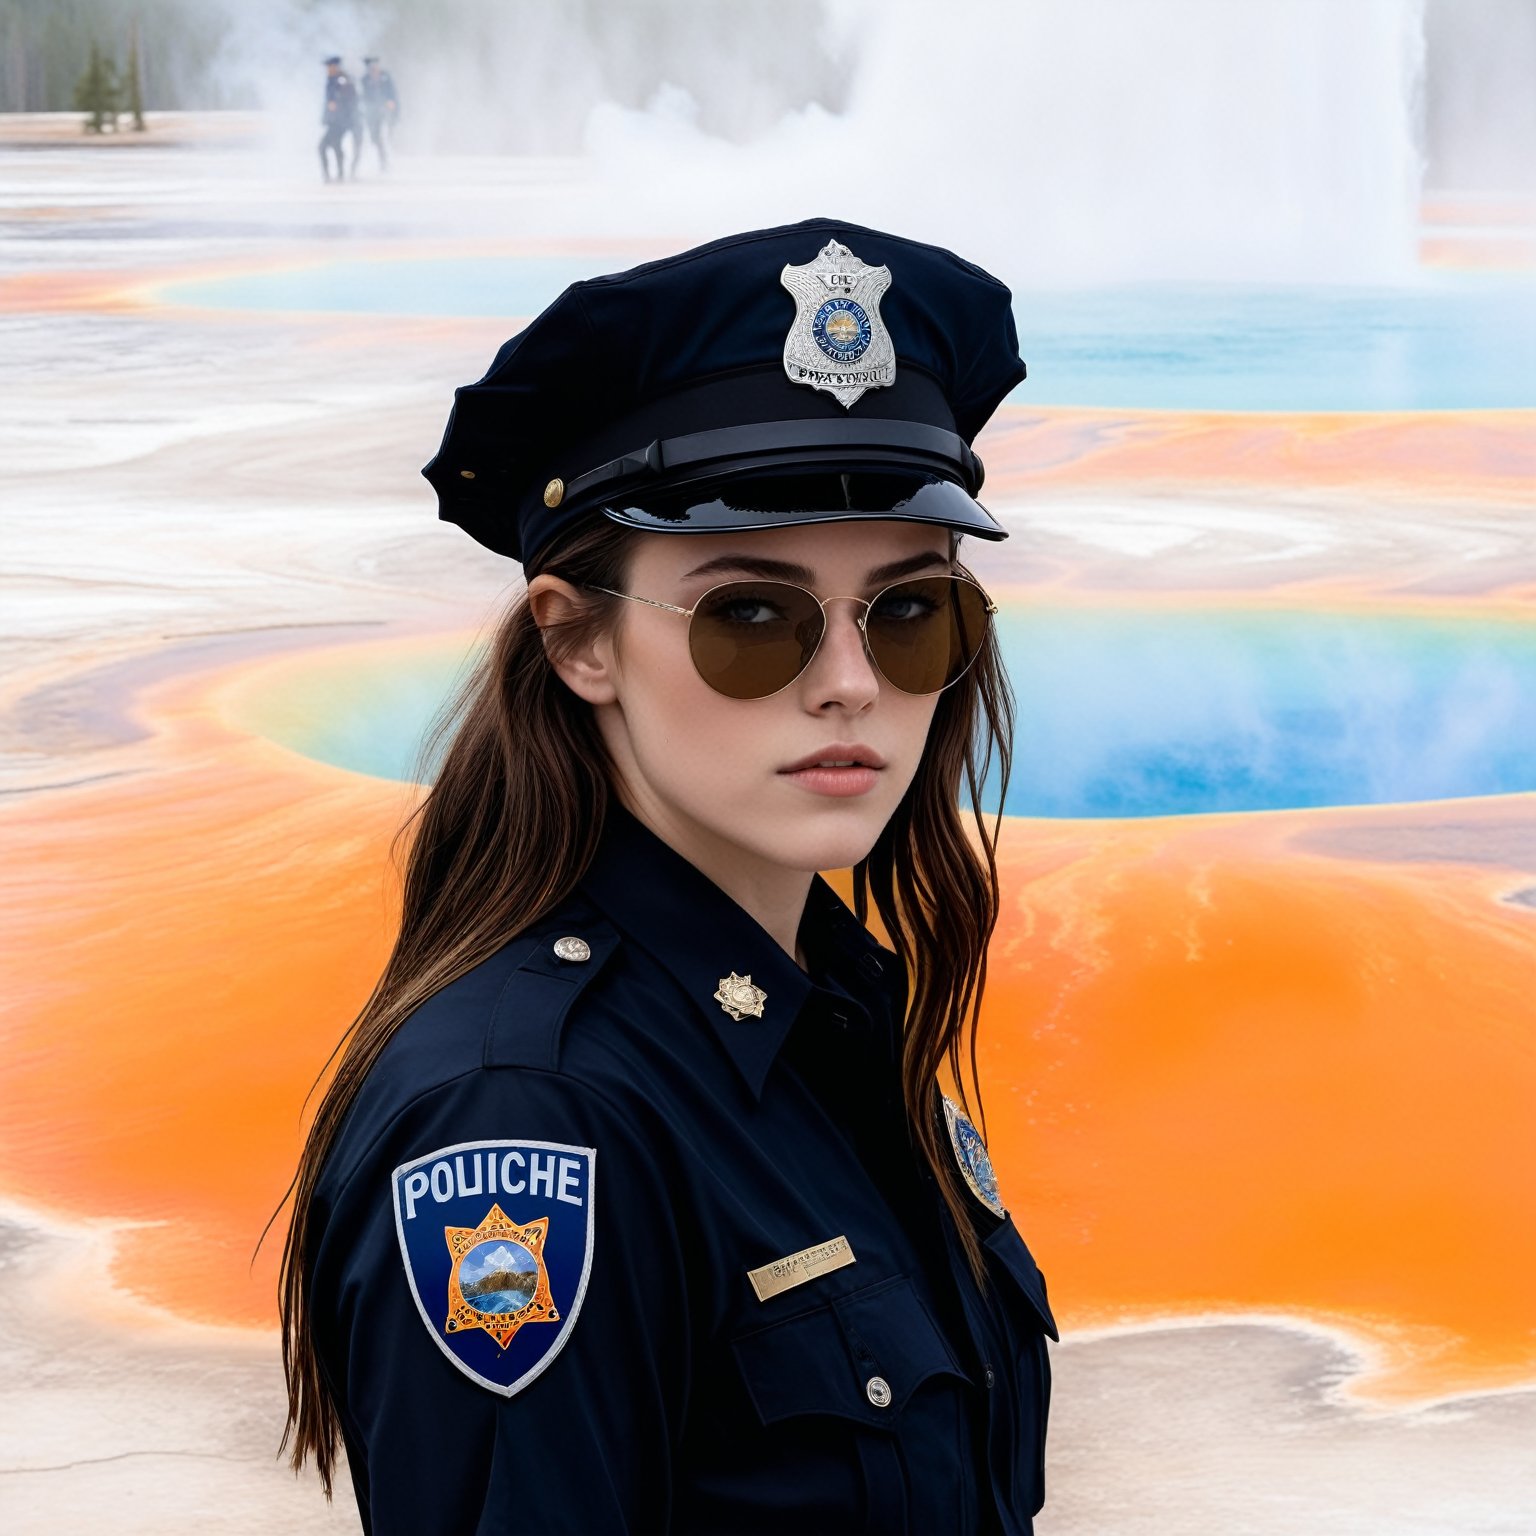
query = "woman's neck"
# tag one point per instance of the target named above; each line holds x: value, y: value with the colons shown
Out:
x: 772, y: 894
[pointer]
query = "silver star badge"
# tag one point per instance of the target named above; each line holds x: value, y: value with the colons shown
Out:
x: 739, y: 997
x: 838, y: 341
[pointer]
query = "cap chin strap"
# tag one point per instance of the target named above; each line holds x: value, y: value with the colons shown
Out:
x: 787, y: 444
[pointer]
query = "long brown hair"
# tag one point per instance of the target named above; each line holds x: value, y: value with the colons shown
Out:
x: 510, y: 825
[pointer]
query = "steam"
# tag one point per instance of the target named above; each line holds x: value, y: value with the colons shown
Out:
x: 1058, y: 141
x: 1053, y: 140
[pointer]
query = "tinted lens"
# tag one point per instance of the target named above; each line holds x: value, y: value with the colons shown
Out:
x: 752, y: 638
x: 924, y: 633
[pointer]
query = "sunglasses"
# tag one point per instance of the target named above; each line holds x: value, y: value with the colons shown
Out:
x: 752, y: 639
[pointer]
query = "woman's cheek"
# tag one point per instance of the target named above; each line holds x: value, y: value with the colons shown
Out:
x: 914, y: 717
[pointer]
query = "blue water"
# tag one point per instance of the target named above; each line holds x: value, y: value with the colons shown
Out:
x: 1455, y: 342
x: 1130, y: 713
x: 498, y: 1302
x: 1137, y: 714
x: 1455, y: 345
x: 467, y: 285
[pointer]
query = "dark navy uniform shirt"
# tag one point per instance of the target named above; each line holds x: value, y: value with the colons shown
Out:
x: 653, y: 1390
x: 340, y: 108
x: 379, y: 95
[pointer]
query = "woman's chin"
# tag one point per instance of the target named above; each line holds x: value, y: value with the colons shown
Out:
x: 823, y: 842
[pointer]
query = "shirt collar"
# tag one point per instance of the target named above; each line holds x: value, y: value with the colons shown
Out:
x: 701, y: 935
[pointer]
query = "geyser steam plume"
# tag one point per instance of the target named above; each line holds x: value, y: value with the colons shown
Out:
x: 1056, y: 140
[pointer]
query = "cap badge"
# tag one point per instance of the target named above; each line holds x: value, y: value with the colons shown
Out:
x: 739, y: 997
x: 971, y: 1154
x: 838, y: 341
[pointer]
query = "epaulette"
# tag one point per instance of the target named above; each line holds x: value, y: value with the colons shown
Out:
x: 562, y: 961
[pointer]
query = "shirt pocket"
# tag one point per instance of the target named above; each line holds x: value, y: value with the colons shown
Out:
x: 876, y: 1359
x: 1027, y: 1311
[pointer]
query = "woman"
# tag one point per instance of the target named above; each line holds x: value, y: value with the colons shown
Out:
x: 635, y: 1203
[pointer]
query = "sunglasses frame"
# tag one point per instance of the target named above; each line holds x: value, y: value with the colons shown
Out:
x: 821, y: 602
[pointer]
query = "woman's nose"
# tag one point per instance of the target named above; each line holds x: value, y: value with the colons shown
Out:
x: 842, y: 669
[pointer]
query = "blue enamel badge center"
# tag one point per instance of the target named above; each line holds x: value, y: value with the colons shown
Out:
x: 842, y: 330
x: 497, y: 1242
x: 971, y: 1154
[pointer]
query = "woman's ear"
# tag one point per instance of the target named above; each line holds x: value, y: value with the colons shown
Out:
x: 585, y: 666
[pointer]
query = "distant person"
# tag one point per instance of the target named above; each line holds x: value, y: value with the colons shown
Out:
x: 381, y: 110
x: 338, y: 118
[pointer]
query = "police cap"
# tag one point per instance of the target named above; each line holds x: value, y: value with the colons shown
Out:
x: 334, y: 58
x: 810, y: 373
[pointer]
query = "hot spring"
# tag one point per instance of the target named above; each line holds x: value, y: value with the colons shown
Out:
x: 1452, y: 342
x: 1122, y: 712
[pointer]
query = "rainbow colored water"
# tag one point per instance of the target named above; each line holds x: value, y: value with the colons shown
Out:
x: 1456, y: 342
x: 1121, y: 711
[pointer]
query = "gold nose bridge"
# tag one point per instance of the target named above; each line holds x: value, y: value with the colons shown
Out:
x: 862, y: 620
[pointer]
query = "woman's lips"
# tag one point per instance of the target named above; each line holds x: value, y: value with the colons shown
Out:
x: 838, y: 768
x: 857, y: 780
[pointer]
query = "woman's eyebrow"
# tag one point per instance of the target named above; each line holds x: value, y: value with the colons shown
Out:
x: 787, y: 570
x: 913, y: 563
x: 754, y: 565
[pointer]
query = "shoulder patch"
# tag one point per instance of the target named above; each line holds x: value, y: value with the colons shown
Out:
x: 971, y: 1154
x: 497, y: 1241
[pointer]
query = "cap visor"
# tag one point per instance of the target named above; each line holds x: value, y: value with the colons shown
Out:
x: 770, y: 501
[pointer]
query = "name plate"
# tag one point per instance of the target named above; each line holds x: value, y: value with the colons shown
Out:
x: 796, y: 1268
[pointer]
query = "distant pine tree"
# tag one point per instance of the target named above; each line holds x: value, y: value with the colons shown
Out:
x: 114, y: 91
x: 89, y: 92
x: 133, y: 94
x: 96, y: 93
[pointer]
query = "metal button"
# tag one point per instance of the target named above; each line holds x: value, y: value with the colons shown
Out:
x: 554, y: 492
x: 878, y: 1390
x: 988, y: 1375
x: 573, y: 949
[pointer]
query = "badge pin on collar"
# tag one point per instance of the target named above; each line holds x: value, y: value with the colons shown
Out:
x: 838, y: 341
x: 739, y: 997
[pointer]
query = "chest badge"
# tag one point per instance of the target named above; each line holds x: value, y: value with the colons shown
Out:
x: 838, y: 342
x: 496, y: 1238
x: 971, y: 1155
x: 739, y: 997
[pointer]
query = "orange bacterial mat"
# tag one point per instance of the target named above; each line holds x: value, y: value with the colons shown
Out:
x: 1228, y: 1068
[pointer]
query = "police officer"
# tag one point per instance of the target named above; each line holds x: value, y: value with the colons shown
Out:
x: 381, y: 109
x: 338, y: 117
x: 635, y: 1203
